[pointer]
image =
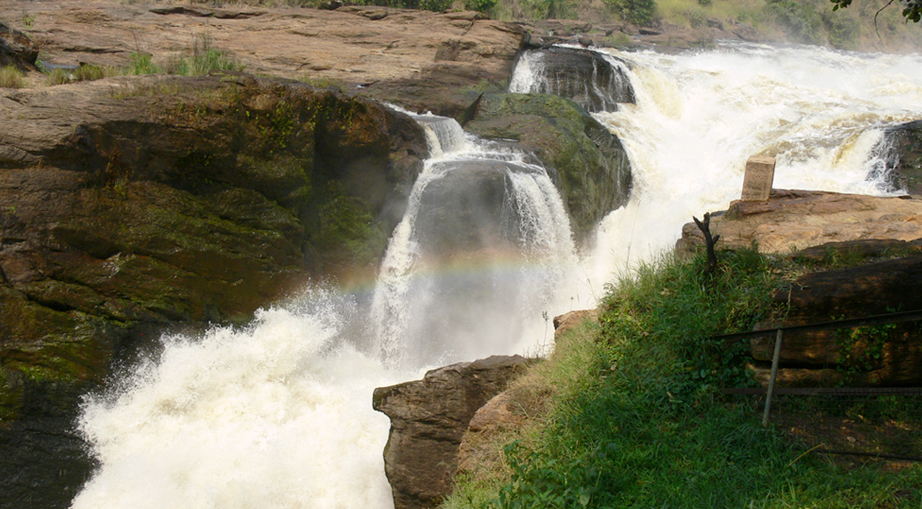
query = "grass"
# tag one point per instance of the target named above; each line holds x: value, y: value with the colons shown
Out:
x: 11, y: 77
x: 634, y: 417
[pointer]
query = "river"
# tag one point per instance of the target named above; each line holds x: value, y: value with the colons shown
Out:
x: 278, y: 414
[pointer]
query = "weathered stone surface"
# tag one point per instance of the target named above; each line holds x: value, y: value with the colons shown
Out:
x: 587, y: 162
x: 16, y: 48
x: 792, y: 220
x: 428, y: 419
x: 419, y: 59
x: 902, y: 161
x: 884, y: 355
x: 590, y: 79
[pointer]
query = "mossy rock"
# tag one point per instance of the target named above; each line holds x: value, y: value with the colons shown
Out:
x: 587, y: 162
x: 180, y: 202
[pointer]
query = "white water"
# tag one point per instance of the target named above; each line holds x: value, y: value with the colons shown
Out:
x: 279, y: 415
x: 700, y: 116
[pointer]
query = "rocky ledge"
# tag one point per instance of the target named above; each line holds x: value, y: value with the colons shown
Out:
x: 428, y: 419
x: 877, y: 239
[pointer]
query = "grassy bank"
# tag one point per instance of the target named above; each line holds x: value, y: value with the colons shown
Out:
x: 627, y: 412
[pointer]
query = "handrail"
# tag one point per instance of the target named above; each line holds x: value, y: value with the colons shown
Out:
x: 898, y: 317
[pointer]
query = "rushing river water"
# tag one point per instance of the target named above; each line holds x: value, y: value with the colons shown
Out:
x: 278, y: 414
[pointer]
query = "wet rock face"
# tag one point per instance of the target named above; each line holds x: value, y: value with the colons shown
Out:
x: 132, y: 205
x: 594, y: 81
x: 587, y: 163
x: 901, y: 160
x: 428, y: 419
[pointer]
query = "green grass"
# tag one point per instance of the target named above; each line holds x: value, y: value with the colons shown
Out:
x: 636, y: 419
x: 11, y: 77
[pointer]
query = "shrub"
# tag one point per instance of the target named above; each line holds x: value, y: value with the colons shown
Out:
x: 801, y: 20
x: 141, y: 63
x: 638, y: 12
x: 11, y: 77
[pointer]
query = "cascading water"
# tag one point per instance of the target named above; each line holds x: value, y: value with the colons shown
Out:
x: 279, y: 414
x: 483, y: 246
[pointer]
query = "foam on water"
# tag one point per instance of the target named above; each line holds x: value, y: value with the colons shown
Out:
x: 700, y: 116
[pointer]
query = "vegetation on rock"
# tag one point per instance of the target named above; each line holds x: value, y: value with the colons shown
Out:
x: 588, y: 164
x: 634, y: 417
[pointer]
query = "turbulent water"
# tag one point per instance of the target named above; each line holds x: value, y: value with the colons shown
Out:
x: 278, y: 414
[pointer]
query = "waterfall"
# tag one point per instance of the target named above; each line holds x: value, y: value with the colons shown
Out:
x: 596, y: 81
x: 483, y: 249
x: 278, y: 414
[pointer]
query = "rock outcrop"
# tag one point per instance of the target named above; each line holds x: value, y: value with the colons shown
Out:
x: 595, y: 81
x: 428, y: 419
x: 793, y: 220
x: 16, y: 48
x: 421, y: 60
x: 587, y: 162
x: 834, y: 229
x: 130, y: 206
x: 879, y: 355
x: 901, y: 163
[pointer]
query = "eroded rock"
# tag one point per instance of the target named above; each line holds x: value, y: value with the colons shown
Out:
x: 587, y: 163
x: 794, y: 220
x: 428, y: 419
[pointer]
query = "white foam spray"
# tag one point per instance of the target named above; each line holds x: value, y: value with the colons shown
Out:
x: 700, y: 116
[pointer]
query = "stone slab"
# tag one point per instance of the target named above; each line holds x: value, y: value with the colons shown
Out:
x: 760, y: 174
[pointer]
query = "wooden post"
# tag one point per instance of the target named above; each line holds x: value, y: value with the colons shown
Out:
x: 709, y: 241
x: 776, y: 357
x: 760, y: 174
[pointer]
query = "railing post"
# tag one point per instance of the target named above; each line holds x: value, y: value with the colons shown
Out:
x: 776, y: 356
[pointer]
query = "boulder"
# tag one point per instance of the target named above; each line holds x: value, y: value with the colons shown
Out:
x: 595, y: 81
x: 428, y: 419
x: 793, y: 220
x: 134, y: 205
x: 587, y: 162
x: 900, y: 163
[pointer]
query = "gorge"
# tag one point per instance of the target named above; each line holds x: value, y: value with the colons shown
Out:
x: 276, y: 412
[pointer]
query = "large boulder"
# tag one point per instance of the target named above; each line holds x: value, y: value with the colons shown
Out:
x: 595, y: 81
x: 900, y: 152
x: 132, y: 205
x: 428, y: 419
x: 792, y: 220
x: 587, y: 162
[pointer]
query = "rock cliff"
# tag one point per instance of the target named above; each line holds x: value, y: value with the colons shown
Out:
x: 137, y: 204
x: 834, y: 229
x: 428, y: 419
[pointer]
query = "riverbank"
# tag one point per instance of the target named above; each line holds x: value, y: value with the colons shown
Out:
x: 627, y: 412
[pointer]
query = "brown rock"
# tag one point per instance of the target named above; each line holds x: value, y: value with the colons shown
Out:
x: 379, y: 49
x: 792, y: 220
x: 16, y: 48
x: 881, y: 355
x: 428, y: 419
x: 567, y: 321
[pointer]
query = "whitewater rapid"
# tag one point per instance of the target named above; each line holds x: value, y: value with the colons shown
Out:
x: 278, y: 414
